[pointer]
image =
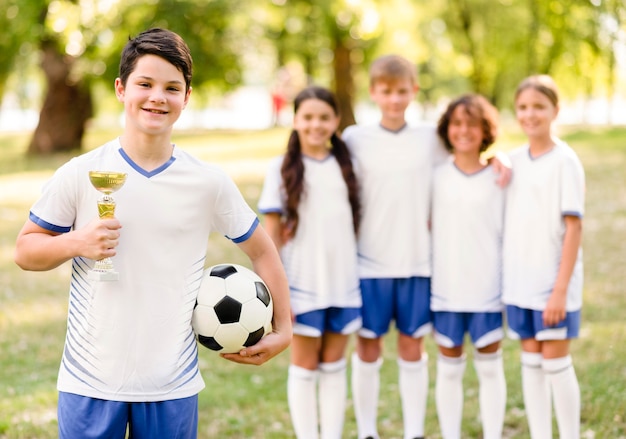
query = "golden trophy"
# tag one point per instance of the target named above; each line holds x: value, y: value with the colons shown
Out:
x: 107, y: 183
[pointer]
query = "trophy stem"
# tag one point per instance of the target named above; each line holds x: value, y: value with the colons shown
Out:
x: 106, y: 207
x: 105, y: 182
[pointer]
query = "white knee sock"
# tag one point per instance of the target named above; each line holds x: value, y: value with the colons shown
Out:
x: 492, y: 393
x: 449, y: 395
x: 332, y: 398
x: 302, y: 398
x: 536, y: 396
x: 413, y: 382
x: 563, y: 383
x: 365, y: 391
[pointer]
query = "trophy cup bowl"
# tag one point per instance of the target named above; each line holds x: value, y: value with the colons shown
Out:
x: 106, y: 183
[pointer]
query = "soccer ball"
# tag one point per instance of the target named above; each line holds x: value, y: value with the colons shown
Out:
x: 233, y: 310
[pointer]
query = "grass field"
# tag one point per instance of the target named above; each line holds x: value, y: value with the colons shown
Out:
x: 247, y: 402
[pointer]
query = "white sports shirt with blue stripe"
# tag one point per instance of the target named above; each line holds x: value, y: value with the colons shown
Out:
x: 395, y: 173
x: 468, y: 215
x: 131, y: 339
x: 542, y: 192
x: 321, y: 259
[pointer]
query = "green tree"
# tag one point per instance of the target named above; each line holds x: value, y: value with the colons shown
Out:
x: 498, y: 43
x: 79, y: 44
x: 329, y: 38
x: 458, y: 45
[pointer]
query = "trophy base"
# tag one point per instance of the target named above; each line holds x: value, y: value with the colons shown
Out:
x: 105, y: 276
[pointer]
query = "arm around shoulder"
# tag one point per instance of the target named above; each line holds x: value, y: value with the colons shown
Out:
x: 503, y: 167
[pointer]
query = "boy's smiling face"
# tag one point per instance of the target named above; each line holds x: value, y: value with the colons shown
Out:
x: 154, y: 95
x: 393, y: 97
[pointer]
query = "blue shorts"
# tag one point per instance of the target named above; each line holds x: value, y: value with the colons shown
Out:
x: 484, y: 328
x: 338, y: 320
x: 527, y: 323
x: 82, y: 417
x: 405, y: 301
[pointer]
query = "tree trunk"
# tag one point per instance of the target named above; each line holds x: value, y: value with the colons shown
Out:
x: 344, y: 83
x: 66, y: 109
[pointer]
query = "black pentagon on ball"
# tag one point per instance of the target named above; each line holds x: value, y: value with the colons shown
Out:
x: 254, y: 337
x: 223, y: 271
x: 209, y: 342
x: 262, y: 293
x: 228, y: 310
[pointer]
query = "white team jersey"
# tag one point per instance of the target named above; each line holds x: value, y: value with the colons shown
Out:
x: 321, y: 259
x: 395, y: 172
x: 467, y: 219
x: 542, y: 191
x: 131, y: 339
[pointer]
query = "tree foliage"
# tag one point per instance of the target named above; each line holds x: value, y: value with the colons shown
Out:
x: 22, y: 30
x: 79, y: 43
x: 329, y: 38
x: 204, y: 24
x: 496, y: 44
x: 485, y: 46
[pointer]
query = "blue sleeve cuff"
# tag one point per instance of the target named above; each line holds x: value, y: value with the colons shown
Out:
x: 572, y: 213
x: 271, y: 210
x: 46, y: 225
x: 248, y: 234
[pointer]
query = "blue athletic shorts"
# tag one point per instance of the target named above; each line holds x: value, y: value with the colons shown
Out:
x: 484, y: 328
x: 338, y: 320
x: 528, y: 323
x: 81, y: 417
x: 405, y: 301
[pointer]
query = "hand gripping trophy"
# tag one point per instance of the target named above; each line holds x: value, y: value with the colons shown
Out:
x: 107, y: 183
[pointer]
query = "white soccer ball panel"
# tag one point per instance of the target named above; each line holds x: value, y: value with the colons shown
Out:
x: 247, y: 272
x: 253, y: 315
x: 241, y: 287
x: 204, y: 320
x: 231, y: 336
x: 211, y: 291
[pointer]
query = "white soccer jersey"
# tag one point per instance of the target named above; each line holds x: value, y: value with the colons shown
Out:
x: 321, y: 259
x: 395, y: 172
x: 467, y: 219
x: 543, y: 190
x: 131, y: 339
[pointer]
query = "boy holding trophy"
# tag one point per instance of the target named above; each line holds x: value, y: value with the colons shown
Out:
x: 130, y: 358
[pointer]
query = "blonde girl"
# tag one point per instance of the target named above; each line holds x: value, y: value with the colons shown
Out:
x: 543, y: 267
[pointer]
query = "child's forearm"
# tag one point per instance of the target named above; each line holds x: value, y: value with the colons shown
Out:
x: 273, y: 227
x: 569, y: 254
x: 267, y: 264
x: 41, y: 251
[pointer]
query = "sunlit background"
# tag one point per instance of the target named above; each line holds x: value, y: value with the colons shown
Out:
x: 246, y: 50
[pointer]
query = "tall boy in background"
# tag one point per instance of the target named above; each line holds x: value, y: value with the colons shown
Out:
x: 395, y: 163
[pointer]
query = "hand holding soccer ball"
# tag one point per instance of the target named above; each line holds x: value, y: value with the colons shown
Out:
x: 234, y: 309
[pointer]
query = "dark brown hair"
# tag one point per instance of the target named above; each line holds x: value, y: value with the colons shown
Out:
x: 292, y: 170
x: 477, y: 107
x: 160, y: 42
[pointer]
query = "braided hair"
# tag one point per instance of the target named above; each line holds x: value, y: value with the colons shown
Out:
x: 292, y: 169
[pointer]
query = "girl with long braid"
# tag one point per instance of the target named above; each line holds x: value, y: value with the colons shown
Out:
x: 311, y: 207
